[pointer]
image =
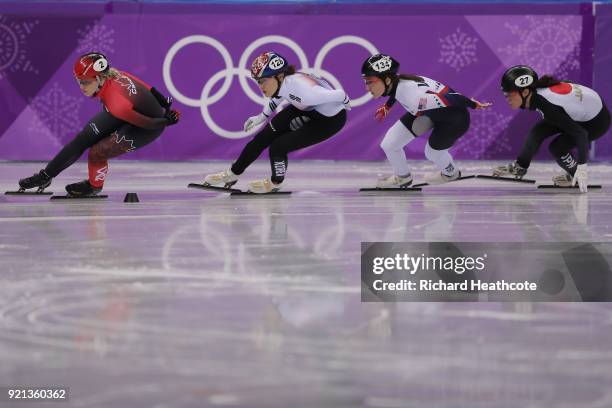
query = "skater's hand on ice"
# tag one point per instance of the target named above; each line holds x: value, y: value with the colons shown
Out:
x: 173, y: 117
x: 347, y: 103
x: 254, y: 121
x: 581, y: 177
x: 382, y: 112
x: 481, y: 105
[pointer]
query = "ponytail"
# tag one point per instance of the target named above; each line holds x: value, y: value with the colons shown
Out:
x: 111, y: 73
x: 290, y: 70
x: 546, y: 82
x: 411, y: 77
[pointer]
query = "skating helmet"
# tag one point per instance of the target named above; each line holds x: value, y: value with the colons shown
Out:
x: 90, y: 65
x: 379, y: 65
x: 268, y: 64
x: 518, y: 77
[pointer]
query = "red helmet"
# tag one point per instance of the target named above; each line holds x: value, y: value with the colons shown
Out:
x: 90, y: 65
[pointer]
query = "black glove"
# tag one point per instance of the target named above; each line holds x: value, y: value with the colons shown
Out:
x: 172, y: 116
x: 164, y: 101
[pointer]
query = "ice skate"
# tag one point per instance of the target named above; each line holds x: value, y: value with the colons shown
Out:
x: 264, y: 186
x: 40, y: 180
x: 562, y: 180
x: 512, y: 169
x: 226, y: 178
x: 82, y: 189
x: 439, y: 177
x: 395, y: 181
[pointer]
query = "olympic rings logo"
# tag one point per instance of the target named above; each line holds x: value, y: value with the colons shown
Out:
x: 243, y: 73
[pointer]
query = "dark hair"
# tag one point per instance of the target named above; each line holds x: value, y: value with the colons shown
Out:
x: 290, y: 70
x: 411, y: 77
x: 395, y: 80
x: 546, y: 82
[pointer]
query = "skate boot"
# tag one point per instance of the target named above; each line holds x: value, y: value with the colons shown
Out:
x: 82, y: 189
x: 263, y: 186
x: 40, y: 180
x: 439, y: 177
x: 226, y: 177
x: 562, y: 180
x: 509, y: 170
x: 395, y: 181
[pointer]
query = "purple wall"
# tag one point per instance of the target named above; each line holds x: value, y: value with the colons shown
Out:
x: 602, y: 71
x: 465, y: 47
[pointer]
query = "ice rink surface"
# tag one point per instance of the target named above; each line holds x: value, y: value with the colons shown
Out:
x: 196, y: 299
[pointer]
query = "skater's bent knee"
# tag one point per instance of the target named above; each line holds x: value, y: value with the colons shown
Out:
x: 97, y: 153
x: 386, y: 145
x: 278, y: 150
x: 556, y: 147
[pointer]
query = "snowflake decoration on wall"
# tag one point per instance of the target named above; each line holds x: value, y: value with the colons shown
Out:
x: 544, y: 44
x: 98, y: 37
x: 56, y: 114
x: 13, y: 46
x: 487, y: 137
x: 458, y: 50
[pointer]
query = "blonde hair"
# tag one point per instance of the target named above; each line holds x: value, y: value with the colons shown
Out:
x: 111, y: 73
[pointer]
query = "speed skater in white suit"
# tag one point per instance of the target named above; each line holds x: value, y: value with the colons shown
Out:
x: 430, y: 105
x: 316, y: 112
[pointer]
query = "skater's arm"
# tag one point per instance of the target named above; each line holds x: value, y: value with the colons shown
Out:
x: 435, y: 100
x: 317, y: 95
x: 271, y: 106
x: 163, y: 100
x: 123, y: 109
x: 456, y: 99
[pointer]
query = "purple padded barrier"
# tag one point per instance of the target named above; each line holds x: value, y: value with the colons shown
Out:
x: 602, y: 69
x: 465, y: 47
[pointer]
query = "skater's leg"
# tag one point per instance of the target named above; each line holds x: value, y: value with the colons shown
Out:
x: 317, y: 130
x: 397, y: 137
x: 393, y: 144
x: 99, y: 127
x: 560, y: 148
x: 447, y: 130
x: 518, y: 168
x: 599, y: 125
x: 280, y: 124
x: 540, y: 132
x: 442, y: 159
x: 126, y: 139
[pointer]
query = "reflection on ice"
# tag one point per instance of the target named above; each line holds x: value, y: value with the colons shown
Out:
x: 191, y: 299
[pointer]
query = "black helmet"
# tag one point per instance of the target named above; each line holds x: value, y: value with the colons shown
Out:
x: 518, y: 77
x: 379, y: 65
